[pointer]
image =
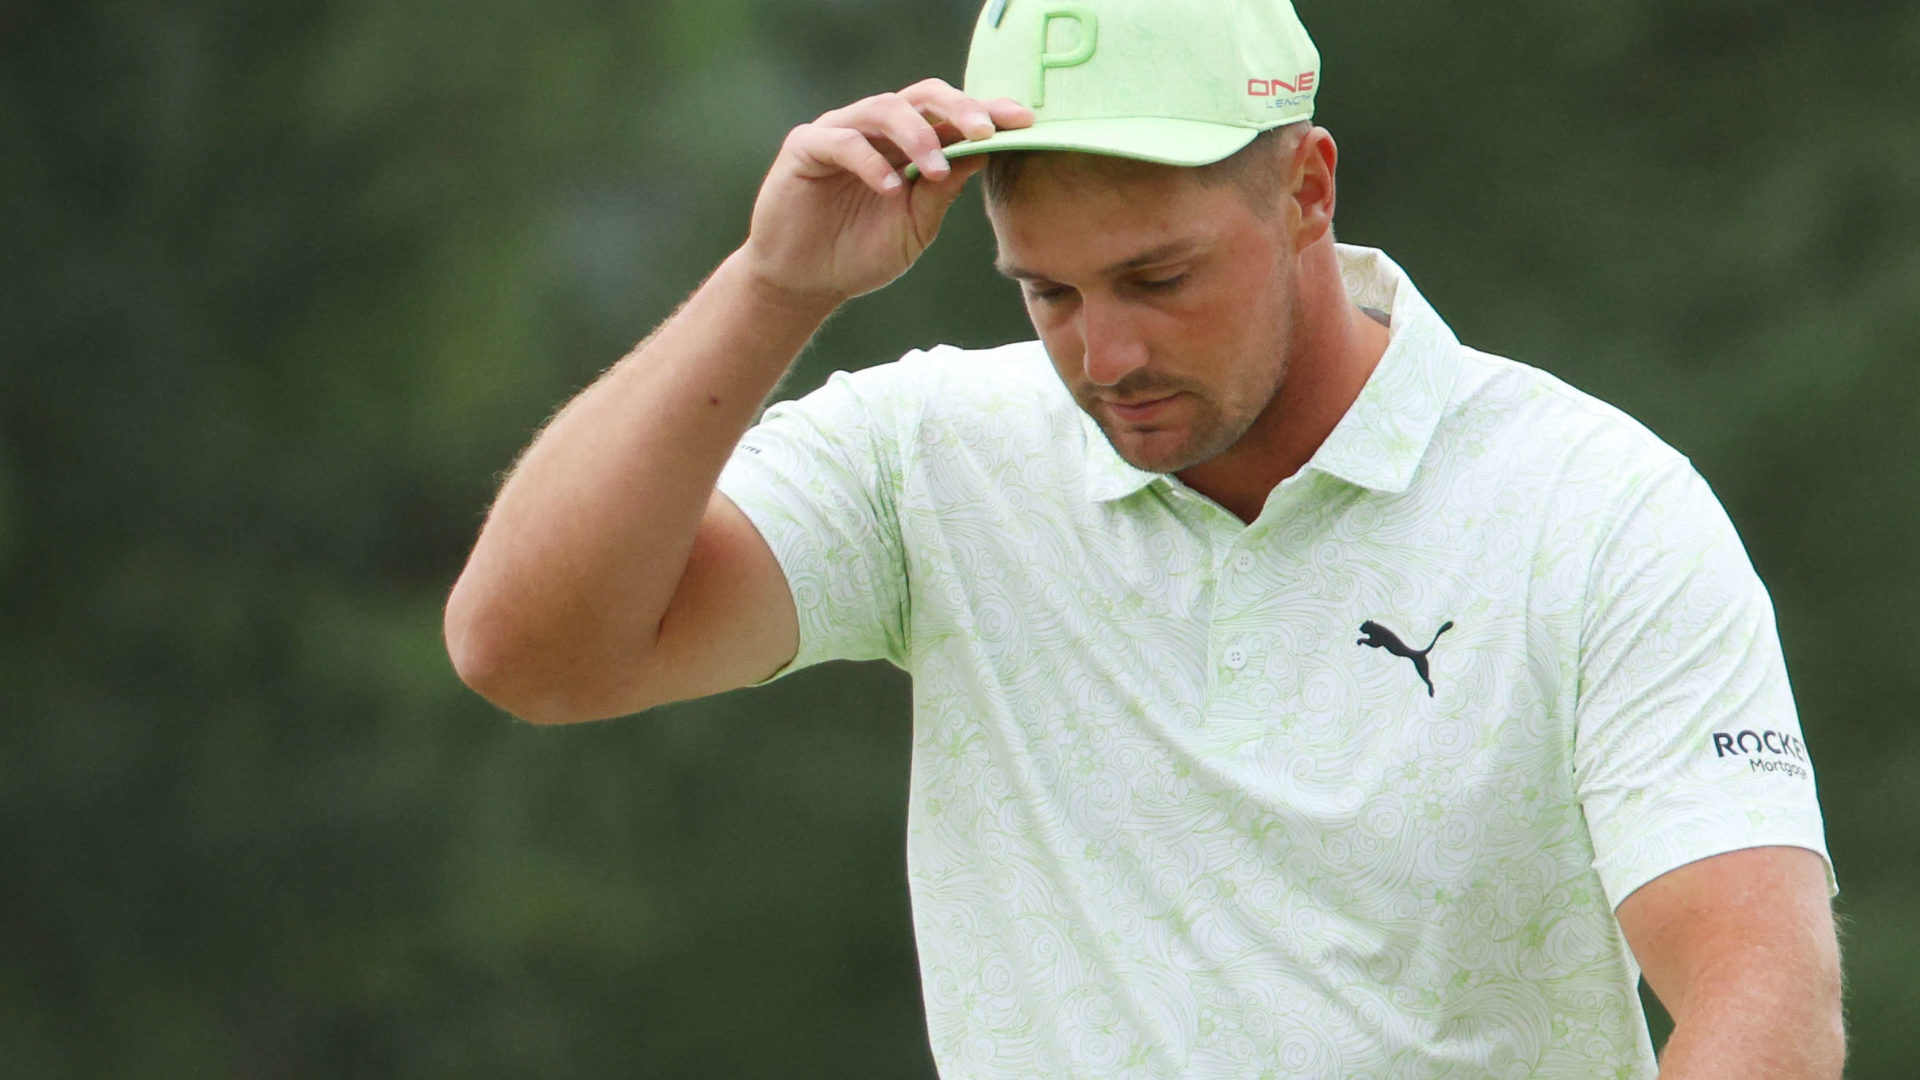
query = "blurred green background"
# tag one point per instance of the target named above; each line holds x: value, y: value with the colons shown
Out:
x: 284, y: 285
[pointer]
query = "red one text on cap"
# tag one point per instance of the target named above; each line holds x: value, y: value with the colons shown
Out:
x: 1301, y: 83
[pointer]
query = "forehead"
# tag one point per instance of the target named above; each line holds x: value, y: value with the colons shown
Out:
x: 1026, y: 175
x: 1084, y: 208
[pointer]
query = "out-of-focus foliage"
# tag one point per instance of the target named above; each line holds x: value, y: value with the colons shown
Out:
x: 284, y: 285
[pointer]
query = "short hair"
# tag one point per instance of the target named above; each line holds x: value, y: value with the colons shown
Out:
x: 1255, y: 169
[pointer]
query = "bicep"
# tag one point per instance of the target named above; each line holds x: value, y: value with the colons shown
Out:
x: 1725, y: 923
x: 732, y: 620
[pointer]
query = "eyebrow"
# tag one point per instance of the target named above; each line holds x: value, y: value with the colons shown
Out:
x: 1145, y: 258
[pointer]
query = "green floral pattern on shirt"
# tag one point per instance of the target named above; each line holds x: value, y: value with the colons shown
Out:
x: 1169, y: 819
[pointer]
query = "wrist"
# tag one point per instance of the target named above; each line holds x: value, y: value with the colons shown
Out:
x: 766, y: 292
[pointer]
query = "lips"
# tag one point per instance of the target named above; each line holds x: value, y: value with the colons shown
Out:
x: 1141, y: 411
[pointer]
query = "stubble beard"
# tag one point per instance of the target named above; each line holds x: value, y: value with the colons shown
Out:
x: 1216, y: 422
x: 1212, y: 430
x: 1208, y: 435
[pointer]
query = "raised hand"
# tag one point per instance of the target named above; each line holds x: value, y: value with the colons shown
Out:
x: 837, y: 218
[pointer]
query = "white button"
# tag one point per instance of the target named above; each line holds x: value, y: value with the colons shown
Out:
x: 1236, y: 658
x: 1243, y: 562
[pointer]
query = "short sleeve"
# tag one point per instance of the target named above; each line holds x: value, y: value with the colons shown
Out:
x: 1687, y: 743
x: 819, y: 478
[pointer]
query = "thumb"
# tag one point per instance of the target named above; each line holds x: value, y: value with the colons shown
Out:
x: 933, y: 198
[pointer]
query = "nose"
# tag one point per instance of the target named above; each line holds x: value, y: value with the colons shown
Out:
x: 1114, y: 346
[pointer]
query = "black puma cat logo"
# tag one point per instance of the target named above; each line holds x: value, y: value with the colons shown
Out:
x: 1379, y: 637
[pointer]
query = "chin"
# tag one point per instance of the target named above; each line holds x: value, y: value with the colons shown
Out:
x: 1193, y: 439
x: 1164, y: 452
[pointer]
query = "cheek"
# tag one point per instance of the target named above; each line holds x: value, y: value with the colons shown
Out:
x: 1229, y: 326
x: 1252, y: 343
x: 1063, y: 345
x: 1252, y: 299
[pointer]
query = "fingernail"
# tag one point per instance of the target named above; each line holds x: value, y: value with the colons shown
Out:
x: 934, y: 162
x: 979, y: 125
x: 892, y: 182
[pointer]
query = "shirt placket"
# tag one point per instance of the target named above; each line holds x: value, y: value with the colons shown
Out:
x: 1242, y: 557
x: 1237, y: 653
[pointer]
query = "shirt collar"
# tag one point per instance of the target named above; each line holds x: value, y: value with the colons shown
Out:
x: 1381, y: 440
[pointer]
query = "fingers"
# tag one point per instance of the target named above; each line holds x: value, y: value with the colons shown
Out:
x: 823, y: 151
x: 983, y: 120
x: 893, y: 122
x: 915, y: 124
x: 940, y: 103
x: 1007, y: 114
x: 946, y: 190
x: 899, y: 129
x: 970, y: 117
x: 929, y: 199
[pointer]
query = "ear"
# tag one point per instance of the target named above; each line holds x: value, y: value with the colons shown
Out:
x: 1314, y: 161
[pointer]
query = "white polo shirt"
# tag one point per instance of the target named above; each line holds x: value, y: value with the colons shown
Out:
x: 1351, y: 791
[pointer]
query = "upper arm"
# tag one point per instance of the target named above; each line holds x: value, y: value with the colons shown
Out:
x: 732, y: 620
x: 1750, y: 922
x: 1697, y: 787
x: 1687, y: 743
x: 821, y: 479
x: 799, y: 557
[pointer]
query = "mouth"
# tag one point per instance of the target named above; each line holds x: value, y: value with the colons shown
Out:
x: 1139, y: 411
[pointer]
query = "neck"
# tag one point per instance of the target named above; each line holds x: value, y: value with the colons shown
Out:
x: 1334, y: 350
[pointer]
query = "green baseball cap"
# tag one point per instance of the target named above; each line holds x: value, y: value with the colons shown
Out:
x: 1180, y: 82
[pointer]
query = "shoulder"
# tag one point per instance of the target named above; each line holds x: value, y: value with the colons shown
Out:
x: 942, y: 384
x: 946, y: 378
x: 1610, y: 496
x: 1573, y: 446
x: 965, y: 420
x: 1530, y: 404
x: 995, y: 400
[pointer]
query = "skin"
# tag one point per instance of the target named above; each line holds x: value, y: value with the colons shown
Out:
x: 611, y: 577
x: 1741, y: 950
x: 1145, y: 285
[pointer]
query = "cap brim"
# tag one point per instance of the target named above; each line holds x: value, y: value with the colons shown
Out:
x: 1168, y: 142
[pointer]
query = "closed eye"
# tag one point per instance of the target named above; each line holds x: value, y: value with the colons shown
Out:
x: 1054, y: 293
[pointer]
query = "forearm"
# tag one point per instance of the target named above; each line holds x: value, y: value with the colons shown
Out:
x: 588, y: 539
x: 1771, y: 1024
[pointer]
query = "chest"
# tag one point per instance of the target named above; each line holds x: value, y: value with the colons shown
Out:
x: 1336, y: 602
x: 1345, y: 659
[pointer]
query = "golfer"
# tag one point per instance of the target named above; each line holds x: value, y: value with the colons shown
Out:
x: 1298, y: 692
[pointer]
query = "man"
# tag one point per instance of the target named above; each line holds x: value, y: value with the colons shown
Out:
x: 1298, y: 692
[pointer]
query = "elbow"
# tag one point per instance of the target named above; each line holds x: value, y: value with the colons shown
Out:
x: 487, y: 660
x: 503, y: 660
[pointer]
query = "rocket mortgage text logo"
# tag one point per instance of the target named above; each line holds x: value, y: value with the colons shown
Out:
x: 1765, y: 751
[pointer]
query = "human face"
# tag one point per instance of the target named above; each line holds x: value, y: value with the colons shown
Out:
x: 1166, y: 305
